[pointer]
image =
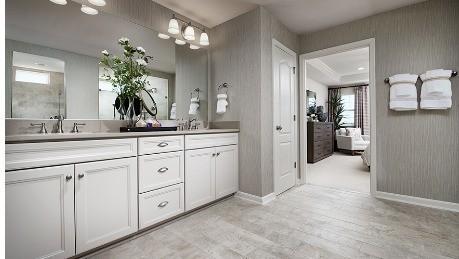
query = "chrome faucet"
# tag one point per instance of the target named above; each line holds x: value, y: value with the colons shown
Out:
x: 190, y: 123
x: 43, y: 129
x: 75, y: 127
x: 60, y: 119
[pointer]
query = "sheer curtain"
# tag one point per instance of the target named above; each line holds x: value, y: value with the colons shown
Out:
x: 361, y: 111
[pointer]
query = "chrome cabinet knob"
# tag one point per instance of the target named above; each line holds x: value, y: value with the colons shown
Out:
x: 162, y: 170
x: 80, y: 176
x: 218, y: 153
x: 214, y: 154
x: 68, y: 178
x: 278, y: 127
x: 163, y: 204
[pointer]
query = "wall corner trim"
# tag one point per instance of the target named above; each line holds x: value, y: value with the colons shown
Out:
x: 257, y: 199
x: 436, y: 204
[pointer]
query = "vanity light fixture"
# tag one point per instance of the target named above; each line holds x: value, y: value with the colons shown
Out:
x: 163, y: 36
x: 173, y: 26
x: 97, y: 2
x: 187, y: 30
x: 193, y: 46
x: 204, y: 39
x: 88, y: 10
x: 59, y: 2
x: 179, y: 42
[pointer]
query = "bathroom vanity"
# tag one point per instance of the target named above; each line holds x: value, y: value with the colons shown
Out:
x: 67, y: 194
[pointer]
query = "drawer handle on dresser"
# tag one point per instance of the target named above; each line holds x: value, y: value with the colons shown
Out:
x: 163, y: 144
x: 162, y: 170
x: 68, y: 178
x: 163, y: 204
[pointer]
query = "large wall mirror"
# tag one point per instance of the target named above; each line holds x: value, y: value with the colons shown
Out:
x: 52, y: 64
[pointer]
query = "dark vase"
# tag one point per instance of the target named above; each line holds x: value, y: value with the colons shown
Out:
x: 129, y: 108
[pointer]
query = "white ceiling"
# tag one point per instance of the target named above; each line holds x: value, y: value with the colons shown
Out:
x: 38, y: 62
x: 299, y: 16
x: 66, y: 28
x: 345, y: 68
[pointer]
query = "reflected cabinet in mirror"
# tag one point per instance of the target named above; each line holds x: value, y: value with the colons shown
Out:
x: 53, y: 65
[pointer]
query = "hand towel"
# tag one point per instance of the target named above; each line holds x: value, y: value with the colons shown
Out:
x: 194, y: 105
x: 221, y: 103
x: 173, y: 112
x: 403, y: 94
x: 436, y: 89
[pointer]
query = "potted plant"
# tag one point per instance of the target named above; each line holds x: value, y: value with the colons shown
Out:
x: 337, y: 106
x: 128, y: 77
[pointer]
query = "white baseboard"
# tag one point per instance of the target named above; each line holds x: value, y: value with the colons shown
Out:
x: 257, y: 199
x: 442, y: 205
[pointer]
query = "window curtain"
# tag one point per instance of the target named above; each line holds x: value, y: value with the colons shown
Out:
x: 331, y: 93
x: 361, y: 110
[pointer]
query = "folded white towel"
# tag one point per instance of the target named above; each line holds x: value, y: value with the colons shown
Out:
x: 173, y: 112
x: 403, y: 93
x: 221, y: 103
x: 436, y: 89
x: 194, y: 105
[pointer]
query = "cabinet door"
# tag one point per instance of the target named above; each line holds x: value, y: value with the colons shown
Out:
x: 105, y: 201
x: 226, y: 171
x: 39, y: 211
x: 199, y: 177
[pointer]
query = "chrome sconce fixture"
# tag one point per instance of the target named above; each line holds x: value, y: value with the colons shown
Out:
x: 187, y: 31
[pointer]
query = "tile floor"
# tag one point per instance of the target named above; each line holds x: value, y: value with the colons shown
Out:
x: 306, y: 222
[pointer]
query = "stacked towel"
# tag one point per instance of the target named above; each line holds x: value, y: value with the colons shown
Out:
x: 403, y: 95
x: 436, y: 89
x: 194, y: 105
x: 173, y: 111
x: 221, y: 103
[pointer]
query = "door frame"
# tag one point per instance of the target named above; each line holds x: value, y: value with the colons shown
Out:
x: 370, y: 43
x: 277, y: 44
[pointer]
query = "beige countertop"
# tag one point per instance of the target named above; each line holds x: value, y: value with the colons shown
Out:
x: 52, y: 137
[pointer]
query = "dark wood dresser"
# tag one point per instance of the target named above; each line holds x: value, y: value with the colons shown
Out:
x: 320, y: 140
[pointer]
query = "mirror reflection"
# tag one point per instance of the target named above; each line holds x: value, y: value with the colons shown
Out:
x: 53, y: 68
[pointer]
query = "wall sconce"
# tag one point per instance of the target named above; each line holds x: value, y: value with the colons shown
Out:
x: 187, y: 30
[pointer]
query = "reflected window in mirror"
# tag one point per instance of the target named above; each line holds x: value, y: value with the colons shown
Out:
x: 38, y: 86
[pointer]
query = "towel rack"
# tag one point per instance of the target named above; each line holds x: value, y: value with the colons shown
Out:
x: 453, y: 74
x: 196, y: 90
x: 223, y: 86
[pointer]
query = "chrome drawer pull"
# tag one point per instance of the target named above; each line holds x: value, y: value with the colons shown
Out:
x: 68, y: 178
x: 163, y: 144
x: 163, y: 204
x: 162, y: 170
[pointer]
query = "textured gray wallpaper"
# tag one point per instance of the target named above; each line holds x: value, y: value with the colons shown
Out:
x: 418, y: 152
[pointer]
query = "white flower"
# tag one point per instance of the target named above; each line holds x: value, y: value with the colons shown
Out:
x: 140, y: 50
x: 105, y: 52
x: 123, y: 40
x: 141, y: 62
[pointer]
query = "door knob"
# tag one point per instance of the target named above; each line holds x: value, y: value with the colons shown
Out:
x: 278, y: 127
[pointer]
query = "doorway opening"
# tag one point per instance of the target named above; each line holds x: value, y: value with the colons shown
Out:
x: 338, y: 121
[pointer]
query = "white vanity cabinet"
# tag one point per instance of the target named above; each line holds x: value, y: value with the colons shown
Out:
x: 105, y: 201
x: 211, y: 168
x: 39, y: 213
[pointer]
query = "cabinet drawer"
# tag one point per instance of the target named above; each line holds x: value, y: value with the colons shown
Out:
x: 160, y: 170
x: 159, y: 205
x: 29, y: 155
x: 210, y: 140
x: 152, y: 145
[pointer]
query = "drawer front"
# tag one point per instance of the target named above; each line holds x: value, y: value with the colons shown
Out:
x: 322, y: 148
x: 152, y: 145
x: 210, y: 140
x: 159, y: 205
x: 160, y: 170
x: 29, y: 155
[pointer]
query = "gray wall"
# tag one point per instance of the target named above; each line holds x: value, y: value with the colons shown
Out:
x: 418, y: 152
x: 81, y: 78
x: 241, y: 56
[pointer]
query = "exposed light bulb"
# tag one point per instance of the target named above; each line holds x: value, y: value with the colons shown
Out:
x: 173, y: 26
x: 204, y: 39
x: 59, y: 2
x: 97, y: 2
x: 163, y: 36
x: 188, y: 34
x: 193, y: 46
x: 88, y: 10
x: 180, y: 42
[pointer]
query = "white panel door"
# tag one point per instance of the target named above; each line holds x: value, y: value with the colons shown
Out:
x: 284, y: 123
x: 39, y: 213
x: 226, y: 171
x: 105, y: 201
x: 199, y: 177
